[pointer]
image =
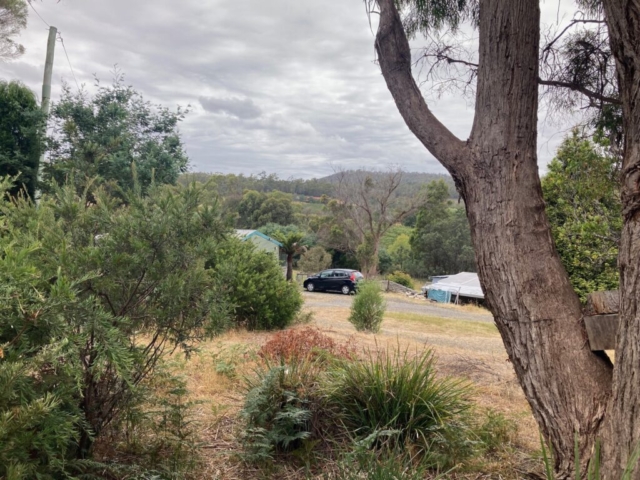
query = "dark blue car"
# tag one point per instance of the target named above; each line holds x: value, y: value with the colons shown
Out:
x: 334, y: 280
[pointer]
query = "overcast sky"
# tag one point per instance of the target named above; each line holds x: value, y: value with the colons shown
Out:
x: 284, y: 86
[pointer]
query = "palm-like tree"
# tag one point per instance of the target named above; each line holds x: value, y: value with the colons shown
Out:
x: 291, y: 246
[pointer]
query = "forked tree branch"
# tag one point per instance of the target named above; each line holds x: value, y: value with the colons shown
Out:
x: 394, y: 56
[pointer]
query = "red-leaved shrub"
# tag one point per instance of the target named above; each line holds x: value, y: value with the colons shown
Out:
x: 295, y: 344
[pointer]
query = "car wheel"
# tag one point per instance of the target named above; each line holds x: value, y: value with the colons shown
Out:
x: 310, y: 287
x: 346, y: 289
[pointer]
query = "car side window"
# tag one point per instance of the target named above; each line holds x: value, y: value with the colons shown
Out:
x: 341, y: 274
x: 326, y: 274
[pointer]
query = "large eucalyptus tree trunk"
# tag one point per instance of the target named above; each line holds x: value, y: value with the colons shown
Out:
x: 527, y: 289
x: 623, y: 432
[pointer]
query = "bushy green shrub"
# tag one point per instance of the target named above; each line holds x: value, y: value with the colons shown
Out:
x: 401, y: 394
x: 368, y: 307
x: 276, y: 409
x: 402, y: 278
x: 92, y: 295
x: 256, y: 287
x: 284, y: 407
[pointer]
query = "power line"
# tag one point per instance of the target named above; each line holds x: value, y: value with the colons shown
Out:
x: 69, y: 61
x: 61, y: 41
x: 40, y: 16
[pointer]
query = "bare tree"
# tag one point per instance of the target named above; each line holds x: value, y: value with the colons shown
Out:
x: 367, y: 204
x: 527, y: 289
x: 13, y: 18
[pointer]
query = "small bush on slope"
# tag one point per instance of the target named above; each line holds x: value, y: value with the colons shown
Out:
x: 368, y: 307
x: 290, y: 345
x: 402, y: 278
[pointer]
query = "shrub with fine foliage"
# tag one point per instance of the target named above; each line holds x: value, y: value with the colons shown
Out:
x: 401, y: 278
x: 277, y: 409
x: 92, y: 296
x: 368, y: 307
x: 260, y: 296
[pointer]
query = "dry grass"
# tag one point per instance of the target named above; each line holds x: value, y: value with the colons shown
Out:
x: 471, y: 350
x: 466, y: 308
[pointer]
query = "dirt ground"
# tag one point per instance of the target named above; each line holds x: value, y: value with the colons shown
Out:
x: 399, y: 303
x: 464, y: 339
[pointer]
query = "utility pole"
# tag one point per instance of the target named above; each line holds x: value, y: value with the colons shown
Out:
x: 46, y: 93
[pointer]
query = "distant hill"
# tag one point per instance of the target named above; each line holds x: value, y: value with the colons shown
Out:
x: 235, y: 185
x: 407, y: 177
x: 411, y: 181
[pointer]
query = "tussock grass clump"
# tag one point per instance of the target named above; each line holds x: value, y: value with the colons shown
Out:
x: 399, y: 393
x: 368, y: 307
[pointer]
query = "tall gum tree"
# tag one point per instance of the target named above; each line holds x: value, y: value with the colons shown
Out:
x: 571, y: 390
x: 623, y: 417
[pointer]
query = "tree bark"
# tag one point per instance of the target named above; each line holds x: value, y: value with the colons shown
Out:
x: 289, y: 267
x: 623, y: 432
x: 526, y: 286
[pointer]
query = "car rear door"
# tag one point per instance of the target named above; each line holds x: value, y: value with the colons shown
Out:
x: 340, y: 278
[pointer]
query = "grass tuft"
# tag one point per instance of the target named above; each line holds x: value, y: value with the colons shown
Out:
x: 400, y: 393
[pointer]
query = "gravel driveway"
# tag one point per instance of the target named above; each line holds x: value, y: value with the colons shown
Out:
x: 396, y: 304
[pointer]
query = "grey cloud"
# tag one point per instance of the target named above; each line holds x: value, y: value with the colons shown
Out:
x: 296, y: 81
x: 244, y: 109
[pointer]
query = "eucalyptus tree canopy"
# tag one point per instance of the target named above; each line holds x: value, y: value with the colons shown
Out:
x: 112, y: 137
x: 21, y: 141
x: 13, y: 18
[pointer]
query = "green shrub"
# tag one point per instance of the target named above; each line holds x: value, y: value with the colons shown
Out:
x: 277, y: 408
x: 92, y: 295
x: 402, y: 278
x: 398, y: 393
x: 255, y: 286
x: 284, y: 407
x: 368, y: 307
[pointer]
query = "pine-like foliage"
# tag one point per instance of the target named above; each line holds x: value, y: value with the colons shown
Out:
x: 368, y: 307
x: 92, y: 295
